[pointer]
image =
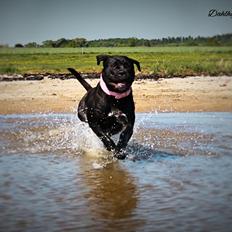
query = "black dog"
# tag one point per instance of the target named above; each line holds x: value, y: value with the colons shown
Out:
x: 109, y: 107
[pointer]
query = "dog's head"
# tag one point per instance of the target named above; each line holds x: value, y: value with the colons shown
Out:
x: 118, y: 72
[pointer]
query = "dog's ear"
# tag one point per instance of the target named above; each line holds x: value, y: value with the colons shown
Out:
x: 101, y: 58
x: 136, y: 63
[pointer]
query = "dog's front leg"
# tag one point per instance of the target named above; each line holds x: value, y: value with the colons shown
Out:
x: 125, y: 137
x: 127, y: 132
x: 107, y: 141
x: 123, y: 141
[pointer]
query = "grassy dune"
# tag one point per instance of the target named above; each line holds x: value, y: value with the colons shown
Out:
x: 162, y: 61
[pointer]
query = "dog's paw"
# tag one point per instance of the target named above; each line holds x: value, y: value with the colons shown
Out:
x: 120, y: 154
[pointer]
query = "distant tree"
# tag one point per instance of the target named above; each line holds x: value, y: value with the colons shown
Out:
x: 31, y: 45
x: 4, y: 45
x: 18, y: 45
x: 147, y: 43
x: 80, y: 42
x: 48, y: 44
x: 218, y: 40
x: 60, y: 43
x: 132, y: 41
x: 212, y: 42
x: 71, y: 44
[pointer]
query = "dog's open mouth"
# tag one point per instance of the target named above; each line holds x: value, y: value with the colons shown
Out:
x: 119, y: 86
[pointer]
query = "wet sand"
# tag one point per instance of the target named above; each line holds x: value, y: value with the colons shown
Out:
x: 190, y: 94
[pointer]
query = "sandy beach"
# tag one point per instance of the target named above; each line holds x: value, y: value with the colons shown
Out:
x: 190, y: 94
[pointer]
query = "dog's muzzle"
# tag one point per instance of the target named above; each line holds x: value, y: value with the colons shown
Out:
x: 119, y: 86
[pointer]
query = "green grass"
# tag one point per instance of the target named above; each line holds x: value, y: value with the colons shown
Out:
x: 163, y: 61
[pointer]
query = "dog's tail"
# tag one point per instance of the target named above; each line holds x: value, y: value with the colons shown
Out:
x: 86, y: 85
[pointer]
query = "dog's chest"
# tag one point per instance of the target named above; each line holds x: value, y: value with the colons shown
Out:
x: 119, y: 116
x: 115, y: 113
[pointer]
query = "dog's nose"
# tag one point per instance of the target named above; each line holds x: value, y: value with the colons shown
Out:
x: 119, y: 67
x: 121, y: 72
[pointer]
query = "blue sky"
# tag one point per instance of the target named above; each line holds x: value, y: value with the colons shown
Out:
x: 23, y: 21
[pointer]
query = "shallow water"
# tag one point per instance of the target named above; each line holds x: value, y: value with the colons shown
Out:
x: 56, y: 176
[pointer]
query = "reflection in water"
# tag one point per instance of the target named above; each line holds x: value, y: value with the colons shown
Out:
x: 112, y: 196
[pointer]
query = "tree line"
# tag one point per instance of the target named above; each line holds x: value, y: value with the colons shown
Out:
x: 218, y: 40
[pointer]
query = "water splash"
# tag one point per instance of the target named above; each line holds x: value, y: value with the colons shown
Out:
x: 48, y: 133
x: 174, y: 134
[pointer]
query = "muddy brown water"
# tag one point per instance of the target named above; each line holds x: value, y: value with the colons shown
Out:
x: 56, y: 176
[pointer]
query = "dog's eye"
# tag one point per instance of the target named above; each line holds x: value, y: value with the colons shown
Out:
x: 126, y: 65
x: 116, y: 65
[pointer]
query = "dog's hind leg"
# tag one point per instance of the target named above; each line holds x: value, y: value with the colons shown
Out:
x: 95, y: 126
x: 82, y: 110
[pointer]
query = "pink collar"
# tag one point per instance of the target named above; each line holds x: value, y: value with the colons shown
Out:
x: 111, y: 93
